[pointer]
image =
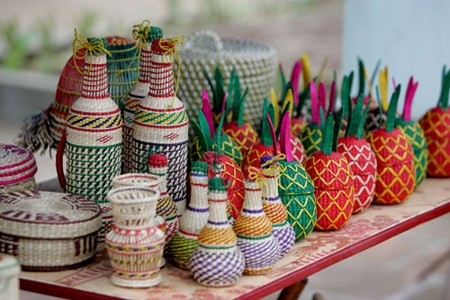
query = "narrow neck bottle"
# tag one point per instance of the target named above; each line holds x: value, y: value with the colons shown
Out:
x: 95, y: 79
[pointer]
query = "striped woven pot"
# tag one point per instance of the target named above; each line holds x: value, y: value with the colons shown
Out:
x: 395, y: 166
x: 217, y: 261
x: 254, y: 233
x: 335, y: 192
x: 139, y: 92
x: 363, y: 164
x: 296, y: 191
x: 93, y: 141
x: 185, y: 241
x: 161, y: 124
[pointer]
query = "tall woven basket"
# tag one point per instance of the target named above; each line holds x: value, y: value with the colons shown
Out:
x: 255, y: 64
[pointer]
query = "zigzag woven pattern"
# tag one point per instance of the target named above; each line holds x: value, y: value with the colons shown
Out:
x: 298, y: 151
x: 329, y: 171
x: 394, y: 184
x: 439, y: 158
x: 334, y: 208
x: 390, y: 149
x: 311, y: 136
x: 285, y: 235
x: 107, y: 122
x: 254, y: 155
x: 297, y: 126
x: 149, y: 117
x: 217, y: 269
x: 259, y: 257
x: 244, y: 136
x: 181, y: 249
x: 227, y: 147
x: 296, y: 191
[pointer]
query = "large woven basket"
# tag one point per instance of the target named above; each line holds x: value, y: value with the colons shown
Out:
x: 49, y: 231
x: 255, y: 63
x: 17, y: 169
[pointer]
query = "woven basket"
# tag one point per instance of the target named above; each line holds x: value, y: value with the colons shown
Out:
x: 17, y: 169
x: 9, y: 277
x: 255, y: 64
x: 49, y: 231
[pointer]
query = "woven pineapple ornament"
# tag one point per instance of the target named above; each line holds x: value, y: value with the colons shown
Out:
x: 333, y: 180
x: 414, y: 133
x: 165, y: 207
x: 93, y: 140
x: 396, y: 174
x: 240, y: 131
x: 43, y: 131
x: 185, y: 241
x: 254, y: 229
x: 144, y: 35
x: 295, y: 187
x: 217, y: 261
x: 221, y: 165
x: 161, y: 124
x: 436, y: 126
x: 227, y: 146
x: 358, y: 152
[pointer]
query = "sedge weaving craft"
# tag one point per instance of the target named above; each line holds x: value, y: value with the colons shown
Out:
x: 17, y: 169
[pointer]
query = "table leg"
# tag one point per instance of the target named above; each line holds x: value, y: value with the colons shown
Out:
x: 292, y: 292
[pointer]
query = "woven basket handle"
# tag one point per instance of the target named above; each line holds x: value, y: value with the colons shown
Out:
x: 59, y: 161
x: 207, y: 41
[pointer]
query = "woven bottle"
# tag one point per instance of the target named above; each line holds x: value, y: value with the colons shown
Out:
x: 144, y: 34
x: 396, y: 175
x: 217, y: 261
x: 93, y: 140
x: 414, y: 133
x: 161, y: 123
x: 333, y: 180
x: 359, y: 154
x: 254, y: 229
x: 436, y: 126
x: 185, y: 241
x: 295, y: 187
x: 273, y: 207
x: 166, y: 208
x: 135, y: 245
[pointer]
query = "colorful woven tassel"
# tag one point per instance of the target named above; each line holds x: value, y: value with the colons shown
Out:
x: 395, y: 160
x: 185, y: 241
x: 436, y: 126
x: 217, y: 261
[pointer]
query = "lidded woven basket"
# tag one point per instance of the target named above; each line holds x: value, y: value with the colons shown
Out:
x: 49, y: 231
x: 255, y: 63
x: 17, y: 169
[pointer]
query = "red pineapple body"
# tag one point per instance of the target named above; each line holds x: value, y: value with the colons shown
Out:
x: 363, y: 163
x: 395, y: 166
x: 297, y: 125
x: 254, y: 155
x: 232, y: 173
x: 335, y: 193
x: 298, y: 151
x: 244, y: 136
x: 436, y: 126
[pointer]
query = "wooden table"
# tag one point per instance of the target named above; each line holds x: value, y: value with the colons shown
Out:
x: 308, y: 256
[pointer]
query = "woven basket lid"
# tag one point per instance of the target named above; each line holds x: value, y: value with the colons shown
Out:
x: 16, y: 164
x: 48, y: 215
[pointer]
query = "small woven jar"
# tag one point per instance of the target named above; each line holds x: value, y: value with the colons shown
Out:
x: 135, y: 245
x: 414, y: 133
x: 395, y: 160
x: 295, y: 187
x: 144, y: 35
x: 166, y: 208
x: 217, y: 261
x: 360, y: 156
x: 273, y: 207
x: 436, y: 126
x: 185, y: 241
x: 254, y: 229
x: 93, y: 139
x: 9, y: 277
x: 333, y: 181
x: 161, y: 123
x: 17, y: 169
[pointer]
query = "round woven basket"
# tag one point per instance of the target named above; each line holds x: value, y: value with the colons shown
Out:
x: 255, y: 63
x: 17, y: 169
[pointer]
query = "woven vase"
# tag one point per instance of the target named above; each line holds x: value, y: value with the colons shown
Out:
x: 274, y: 208
x: 161, y: 125
x: 135, y: 245
x: 17, y: 169
x: 363, y: 164
x: 296, y: 191
x: 185, y: 241
x: 335, y: 192
x: 395, y: 166
x: 217, y: 261
x: 254, y: 233
x: 93, y: 140
x: 139, y: 92
x: 166, y: 208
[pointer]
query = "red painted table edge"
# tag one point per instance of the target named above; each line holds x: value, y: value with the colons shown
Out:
x: 277, y: 284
